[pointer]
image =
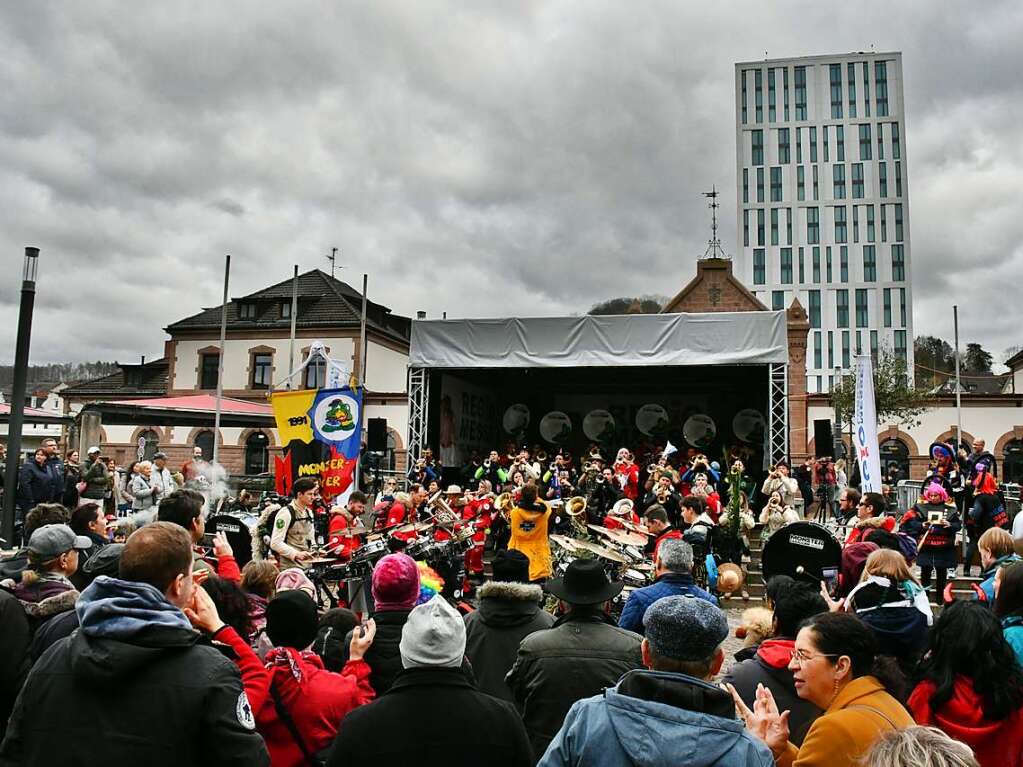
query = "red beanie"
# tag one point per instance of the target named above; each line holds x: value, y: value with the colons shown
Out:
x: 395, y: 583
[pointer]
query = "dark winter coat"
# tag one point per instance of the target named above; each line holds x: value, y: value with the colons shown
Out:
x: 46, y: 598
x: 582, y: 654
x: 668, y: 585
x: 35, y: 485
x: 383, y: 656
x: 770, y: 668
x: 137, y: 677
x: 432, y: 716
x: 508, y: 613
x: 94, y: 474
x: 14, y: 664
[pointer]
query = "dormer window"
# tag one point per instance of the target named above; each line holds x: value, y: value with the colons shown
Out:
x: 247, y: 311
x: 286, y: 310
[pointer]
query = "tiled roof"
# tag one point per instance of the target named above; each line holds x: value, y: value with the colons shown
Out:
x: 322, y: 302
x: 147, y: 380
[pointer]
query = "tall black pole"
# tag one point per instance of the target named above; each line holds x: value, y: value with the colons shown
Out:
x: 17, y: 419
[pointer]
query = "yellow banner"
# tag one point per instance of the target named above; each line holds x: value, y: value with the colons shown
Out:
x: 291, y: 412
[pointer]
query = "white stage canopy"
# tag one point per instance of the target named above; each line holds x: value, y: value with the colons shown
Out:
x: 719, y: 338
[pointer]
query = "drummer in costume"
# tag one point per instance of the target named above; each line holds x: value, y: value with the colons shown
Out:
x: 294, y: 536
x: 341, y: 540
x: 530, y: 520
x: 622, y: 510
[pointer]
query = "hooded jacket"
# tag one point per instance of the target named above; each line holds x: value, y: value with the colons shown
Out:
x: 1012, y: 627
x: 770, y: 667
x: 988, y: 584
x: 14, y: 662
x: 668, y: 585
x: 46, y: 598
x: 508, y: 613
x: 133, y: 685
x: 656, y: 719
x: 580, y: 655
x: 995, y: 744
x: 383, y: 656
x: 529, y: 531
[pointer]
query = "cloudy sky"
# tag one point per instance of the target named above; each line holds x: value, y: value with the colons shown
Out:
x: 480, y: 158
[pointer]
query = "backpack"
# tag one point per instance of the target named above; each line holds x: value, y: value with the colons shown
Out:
x: 263, y: 530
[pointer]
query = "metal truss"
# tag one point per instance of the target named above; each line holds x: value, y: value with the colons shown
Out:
x: 418, y: 407
x: 778, y: 411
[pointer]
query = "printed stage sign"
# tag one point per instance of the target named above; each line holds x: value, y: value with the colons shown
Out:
x: 320, y: 429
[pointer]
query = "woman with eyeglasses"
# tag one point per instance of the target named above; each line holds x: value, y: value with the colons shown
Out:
x: 835, y: 665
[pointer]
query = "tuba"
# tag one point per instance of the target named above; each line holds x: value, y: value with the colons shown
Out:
x: 442, y: 512
x: 575, y: 507
x: 504, y: 503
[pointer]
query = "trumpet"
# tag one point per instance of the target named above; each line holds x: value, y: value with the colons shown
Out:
x: 662, y: 496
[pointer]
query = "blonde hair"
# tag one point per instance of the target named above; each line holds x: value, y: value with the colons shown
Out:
x: 997, y: 541
x: 888, y: 564
x: 259, y: 577
x: 919, y: 747
x: 37, y: 566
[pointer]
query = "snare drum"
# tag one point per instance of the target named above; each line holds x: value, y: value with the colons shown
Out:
x: 370, y: 550
x: 634, y: 578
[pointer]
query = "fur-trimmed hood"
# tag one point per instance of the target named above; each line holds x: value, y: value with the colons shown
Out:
x: 505, y: 603
x: 43, y: 604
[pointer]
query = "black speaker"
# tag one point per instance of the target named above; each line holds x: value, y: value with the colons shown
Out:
x: 376, y: 434
x: 823, y: 441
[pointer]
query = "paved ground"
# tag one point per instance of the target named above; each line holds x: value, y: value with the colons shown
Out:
x: 731, y: 643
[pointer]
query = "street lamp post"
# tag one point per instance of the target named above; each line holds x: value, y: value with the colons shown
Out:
x: 17, y: 418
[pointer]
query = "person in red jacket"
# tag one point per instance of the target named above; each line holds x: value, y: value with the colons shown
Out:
x: 622, y: 510
x: 870, y: 514
x: 342, y: 520
x: 972, y: 686
x: 627, y: 475
x: 305, y: 704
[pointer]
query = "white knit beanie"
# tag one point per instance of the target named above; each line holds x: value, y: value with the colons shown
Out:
x: 433, y: 635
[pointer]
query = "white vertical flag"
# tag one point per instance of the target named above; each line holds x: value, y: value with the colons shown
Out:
x: 865, y: 427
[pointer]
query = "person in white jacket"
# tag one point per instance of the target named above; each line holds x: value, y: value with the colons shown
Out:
x: 161, y: 478
x: 778, y: 480
x: 142, y: 491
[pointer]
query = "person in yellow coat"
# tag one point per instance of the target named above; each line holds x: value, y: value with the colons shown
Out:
x: 530, y: 520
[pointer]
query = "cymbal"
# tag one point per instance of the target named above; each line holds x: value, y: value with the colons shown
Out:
x: 323, y: 560
x: 602, y: 551
x: 565, y: 542
x: 627, y: 539
x: 411, y: 527
x: 600, y: 530
x: 635, y: 528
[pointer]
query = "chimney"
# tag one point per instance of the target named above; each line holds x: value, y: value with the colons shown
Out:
x: 420, y: 315
x: 444, y: 316
x: 143, y: 359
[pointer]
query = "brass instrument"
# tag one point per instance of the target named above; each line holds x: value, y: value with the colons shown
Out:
x: 504, y: 503
x: 442, y: 512
x: 575, y: 507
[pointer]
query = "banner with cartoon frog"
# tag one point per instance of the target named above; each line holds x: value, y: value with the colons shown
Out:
x: 320, y: 429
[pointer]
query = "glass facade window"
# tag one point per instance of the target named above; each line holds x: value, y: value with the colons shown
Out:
x: 813, y: 226
x: 760, y: 184
x: 896, y: 148
x: 898, y: 223
x: 816, y: 261
x: 880, y: 141
x: 865, y: 144
x: 783, y: 146
x: 786, y: 266
x: 841, y: 231
x: 788, y: 226
x: 842, y: 308
x: 759, y: 266
x: 881, y: 87
x: 757, y: 155
x: 742, y: 106
x: 777, y: 299
x: 262, y: 364
x: 857, y: 180
x: 208, y: 371
x: 816, y: 186
x: 902, y: 306
x: 785, y: 91
x: 800, y: 183
x: 799, y: 81
x: 831, y: 349
x: 775, y: 184
x: 824, y: 134
x: 900, y: 344
x: 887, y: 307
x: 815, y: 308
x: 758, y: 94
x: 839, y: 143
x: 869, y: 263
x: 882, y: 179
x: 898, y: 179
x: 827, y: 262
x: 870, y: 224
x: 745, y: 185
x: 817, y: 361
x: 772, y: 97
x: 774, y: 226
x: 760, y: 227
x: 845, y: 349
x: 843, y: 263
x: 838, y: 180
x: 799, y: 145
x: 866, y: 89
x: 745, y: 227
x: 813, y: 144
x: 851, y: 86
x: 856, y: 223
x: 898, y: 263
x: 873, y: 346
x: 836, y: 91
x: 802, y: 270
x: 861, y: 308
x: 884, y: 223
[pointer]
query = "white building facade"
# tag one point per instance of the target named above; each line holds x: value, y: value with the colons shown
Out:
x: 823, y: 201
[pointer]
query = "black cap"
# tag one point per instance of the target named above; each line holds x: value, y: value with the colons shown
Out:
x: 291, y: 619
x: 510, y: 565
x: 584, y: 584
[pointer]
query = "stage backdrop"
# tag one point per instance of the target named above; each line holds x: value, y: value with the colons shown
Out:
x: 320, y: 429
x: 467, y: 417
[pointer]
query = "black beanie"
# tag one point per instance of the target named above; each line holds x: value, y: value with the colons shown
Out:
x: 510, y: 565
x: 291, y: 619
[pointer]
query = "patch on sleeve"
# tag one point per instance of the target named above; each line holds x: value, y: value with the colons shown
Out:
x: 244, y: 712
x: 280, y: 523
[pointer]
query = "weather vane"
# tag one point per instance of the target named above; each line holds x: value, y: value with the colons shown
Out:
x: 713, y: 244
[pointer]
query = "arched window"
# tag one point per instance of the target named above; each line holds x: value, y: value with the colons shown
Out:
x: 204, y: 440
x: 1012, y: 461
x: 257, y: 453
x: 151, y: 444
x: 894, y: 452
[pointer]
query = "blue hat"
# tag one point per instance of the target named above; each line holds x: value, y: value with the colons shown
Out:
x: 684, y: 628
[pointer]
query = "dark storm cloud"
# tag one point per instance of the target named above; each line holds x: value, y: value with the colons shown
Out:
x: 479, y: 159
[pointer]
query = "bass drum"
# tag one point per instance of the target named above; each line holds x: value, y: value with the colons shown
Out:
x: 237, y: 527
x: 802, y: 550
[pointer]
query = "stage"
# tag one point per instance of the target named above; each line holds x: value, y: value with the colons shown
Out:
x: 707, y: 381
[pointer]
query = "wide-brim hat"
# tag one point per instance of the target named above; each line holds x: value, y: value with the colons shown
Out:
x: 730, y: 577
x: 584, y: 583
x: 453, y: 490
x: 623, y: 507
x: 940, y: 449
